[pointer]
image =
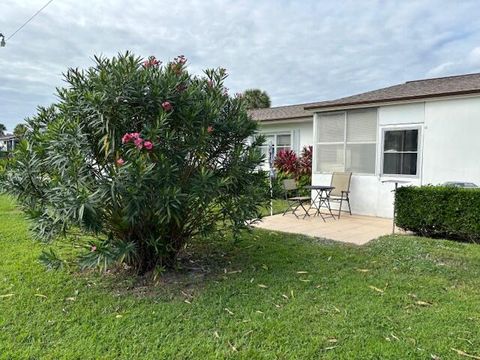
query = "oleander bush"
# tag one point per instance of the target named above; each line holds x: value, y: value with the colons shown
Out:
x: 438, y: 211
x: 143, y: 156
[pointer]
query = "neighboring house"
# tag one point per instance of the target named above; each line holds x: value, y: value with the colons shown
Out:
x: 7, y: 142
x: 423, y: 132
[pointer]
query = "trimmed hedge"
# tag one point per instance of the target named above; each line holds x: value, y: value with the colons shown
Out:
x: 439, y: 211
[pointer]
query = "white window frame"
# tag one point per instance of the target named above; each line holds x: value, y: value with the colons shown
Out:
x: 275, y: 134
x: 344, y: 142
x: 419, y: 150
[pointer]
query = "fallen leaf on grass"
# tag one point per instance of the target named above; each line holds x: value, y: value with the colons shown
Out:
x: 232, y: 347
x: 119, y: 316
x: 188, y: 302
x: 393, y: 336
x: 70, y: 299
x: 285, y: 296
x: 363, y: 270
x: 332, y: 340
x: 248, y: 333
x: 259, y: 312
x: 329, y: 348
x: 423, y: 303
x: 305, y: 280
x: 6, y: 296
x: 463, y: 353
x: 262, y: 286
x: 376, y: 289
x: 41, y: 296
x: 228, y: 311
x: 302, y: 272
x: 215, y: 333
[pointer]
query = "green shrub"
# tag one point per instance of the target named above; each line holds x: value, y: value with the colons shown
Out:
x: 143, y: 156
x: 4, y: 154
x: 437, y: 211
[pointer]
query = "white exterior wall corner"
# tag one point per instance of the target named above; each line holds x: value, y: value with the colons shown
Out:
x: 449, y: 150
x: 452, y: 141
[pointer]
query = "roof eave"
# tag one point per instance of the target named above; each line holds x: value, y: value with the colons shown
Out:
x: 368, y: 103
x: 286, y: 119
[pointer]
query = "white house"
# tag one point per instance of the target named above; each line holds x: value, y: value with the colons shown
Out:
x: 7, y: 142
x: 422, y: 132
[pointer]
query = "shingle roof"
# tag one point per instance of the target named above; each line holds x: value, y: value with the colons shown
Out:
x: 417, y: 89
x: 411, y: 90
x: 281, y: 112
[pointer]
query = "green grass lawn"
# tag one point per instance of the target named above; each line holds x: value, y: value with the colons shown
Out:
x: 271, y: 296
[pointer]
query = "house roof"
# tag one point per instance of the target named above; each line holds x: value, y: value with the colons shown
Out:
x: 281, y: 112
x: 411, y: 90
x: 7, y: 137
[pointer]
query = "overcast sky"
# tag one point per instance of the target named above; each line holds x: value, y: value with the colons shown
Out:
x: 298, y: 51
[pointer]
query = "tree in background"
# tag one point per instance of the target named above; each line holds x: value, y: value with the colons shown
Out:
x: 3, y: 129
x: 256, y: 99
x: 142, y: 156
x: 19, y: 131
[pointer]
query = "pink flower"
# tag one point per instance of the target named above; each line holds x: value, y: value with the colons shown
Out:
x: 210, y: 83
x: 120, y: 162
x: 210, y: 129
x: 152, y: 61
x: 93, y: 248
x: 135, y: 135
x: 181, y: 59
x: 138, y: 143
x: 148, y: 145
x: 126, y: 138
x: 167, y: 106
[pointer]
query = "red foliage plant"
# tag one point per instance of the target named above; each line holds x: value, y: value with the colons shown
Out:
x: 305, y: 161
x: 287, y: 162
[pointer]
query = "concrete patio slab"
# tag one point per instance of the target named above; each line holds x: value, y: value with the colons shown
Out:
x: 352, y: 229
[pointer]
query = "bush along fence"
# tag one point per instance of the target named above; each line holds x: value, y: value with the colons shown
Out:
x: 439, y: 212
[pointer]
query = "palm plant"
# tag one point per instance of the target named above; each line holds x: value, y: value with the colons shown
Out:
x: 256, y: 99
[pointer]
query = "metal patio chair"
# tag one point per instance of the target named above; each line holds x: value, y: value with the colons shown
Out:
x: 294, y: 202
x: 341, y: 192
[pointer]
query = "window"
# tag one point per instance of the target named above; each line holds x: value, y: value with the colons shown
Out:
x: 400, y: 152
x: 280, y: 141
x: 346, y: 141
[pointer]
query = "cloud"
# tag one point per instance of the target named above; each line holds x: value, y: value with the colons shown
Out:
x: 296, y: 51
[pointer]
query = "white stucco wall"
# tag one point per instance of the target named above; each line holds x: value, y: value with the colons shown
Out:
x: 452, y: 141
x: 449, y: 149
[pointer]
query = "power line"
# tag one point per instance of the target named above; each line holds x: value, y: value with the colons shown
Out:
x: 31, y: 18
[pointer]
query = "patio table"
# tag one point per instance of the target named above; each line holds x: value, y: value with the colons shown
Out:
x: 322, y: 195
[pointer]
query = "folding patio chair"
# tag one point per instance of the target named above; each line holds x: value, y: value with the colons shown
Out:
x: 294, y: 202
x: 341, y: 183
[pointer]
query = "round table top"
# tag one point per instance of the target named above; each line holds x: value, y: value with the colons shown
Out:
x: 319, y: 187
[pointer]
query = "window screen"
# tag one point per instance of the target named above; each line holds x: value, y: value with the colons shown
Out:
x: 346, y: 141
x: 331, y: 128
